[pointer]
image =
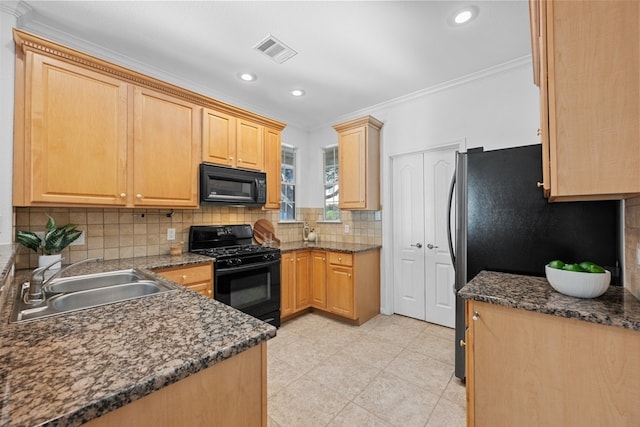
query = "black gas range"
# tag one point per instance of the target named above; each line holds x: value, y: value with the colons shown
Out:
x: 246, y: 275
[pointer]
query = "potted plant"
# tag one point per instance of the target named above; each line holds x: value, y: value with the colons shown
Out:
x: 51, y: 245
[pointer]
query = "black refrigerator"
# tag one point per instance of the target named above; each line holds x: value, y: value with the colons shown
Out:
x: 504, y: 223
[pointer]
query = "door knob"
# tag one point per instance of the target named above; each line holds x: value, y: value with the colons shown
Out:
x: 417, y: 245
x: 430, y: 246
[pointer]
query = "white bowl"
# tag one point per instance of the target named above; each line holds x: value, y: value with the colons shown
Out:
x: 578, y: 284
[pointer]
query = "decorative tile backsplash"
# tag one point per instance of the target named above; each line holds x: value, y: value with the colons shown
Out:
x: 130, y: 233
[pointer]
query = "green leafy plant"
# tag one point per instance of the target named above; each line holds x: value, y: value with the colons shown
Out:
x: 54, y: 241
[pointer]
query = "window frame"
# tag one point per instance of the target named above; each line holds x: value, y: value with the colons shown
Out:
x: 334, y: 214
x: 283, y: 204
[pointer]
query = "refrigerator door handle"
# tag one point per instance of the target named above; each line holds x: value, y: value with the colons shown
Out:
x: 450, y: 241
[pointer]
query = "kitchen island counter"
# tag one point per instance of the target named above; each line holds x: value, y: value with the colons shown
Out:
x: 69, y: 369
x: 616, y: 307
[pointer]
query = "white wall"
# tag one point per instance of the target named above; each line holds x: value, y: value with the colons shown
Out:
x: 8, y: 19
x: 495, y: 109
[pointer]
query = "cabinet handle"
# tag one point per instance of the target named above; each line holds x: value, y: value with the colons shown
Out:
x: 476, y: 315
x: 123, y: 195
x: 230, y: 157
x: 340, y: 259
x: 239, y: 159
x: 323, y: 259
x: 539, y: 132
x: 184, y: 277
x: 462, y: 343
x: 138, y: 196
x: 348, y: 275
x: 540, y: 184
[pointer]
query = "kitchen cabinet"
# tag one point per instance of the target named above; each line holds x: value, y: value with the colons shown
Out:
x: 166, y: 150
x: 587, y: 64
x: 230, y: 393
x: 287, y: 283
x: 232, y: 141
x: 198, y: 277
x: 71, y: 134
x: 86, y: 138
x: 91, y: 133
x: 272, y: 167
x: 318, y: 282
x: 528, y: 368
x: 302, y: 289
x: 359, y: 163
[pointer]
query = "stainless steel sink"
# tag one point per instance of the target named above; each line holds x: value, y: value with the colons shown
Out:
x: 91, y: 281
x: 82, y: 292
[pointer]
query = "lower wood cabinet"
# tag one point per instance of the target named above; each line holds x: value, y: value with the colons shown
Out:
x: 197, y: 277
x: 344, y: 284
x: 527, y: 368
x: 230, y: 393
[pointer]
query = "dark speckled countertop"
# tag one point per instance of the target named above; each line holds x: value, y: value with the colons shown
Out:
x: 616, y: 307
x: 328, y: 246
x: 69, y: 369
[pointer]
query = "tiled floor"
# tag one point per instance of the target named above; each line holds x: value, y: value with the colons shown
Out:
x: 391, y: 371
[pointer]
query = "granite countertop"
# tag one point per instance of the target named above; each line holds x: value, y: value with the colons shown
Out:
x: 616, y: 307
x: 328, y: 246
x: 69, y: 369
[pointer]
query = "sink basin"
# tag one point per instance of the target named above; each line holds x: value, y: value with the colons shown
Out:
x: 82, y: 292
x: 91, y: 281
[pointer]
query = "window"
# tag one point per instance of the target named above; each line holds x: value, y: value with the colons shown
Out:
x: 331, y: 210
x: 288, y: 184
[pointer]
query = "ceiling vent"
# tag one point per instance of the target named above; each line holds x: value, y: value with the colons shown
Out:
x: 275, y: 49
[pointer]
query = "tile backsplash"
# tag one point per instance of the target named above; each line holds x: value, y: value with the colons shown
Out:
x: 631, y: 242
x: 130, y: 233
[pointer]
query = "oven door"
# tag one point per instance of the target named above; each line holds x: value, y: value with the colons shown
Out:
x: 253, y: 289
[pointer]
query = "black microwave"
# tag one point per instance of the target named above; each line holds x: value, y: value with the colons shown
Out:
x: 221, y: 185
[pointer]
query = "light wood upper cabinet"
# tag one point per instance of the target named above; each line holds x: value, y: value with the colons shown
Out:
x: 71, y: 134
x: 232, y: 141
x: 589, y: 77
x: 91, y: 133
x: 528, y: 368
x: 218, y: 137
x: 272, y: 167
x: 359, y: 164
x: 166, y: 150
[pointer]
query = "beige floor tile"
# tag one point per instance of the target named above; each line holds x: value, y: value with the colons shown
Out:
x: 421, y: 370
x: 435, y: 346
x: 371, y: 350
x: 400, y: 333
x: 375, y: 321
x: 305, y: 354
x: 397, y: 401
x: 305, y: 403
x: 456, y: 392
x: 344, y: 374
x: 447, y: 414
x: 353, y: 416
x: 279, y: 375
x: 441, y: 331
x: 272, y: 423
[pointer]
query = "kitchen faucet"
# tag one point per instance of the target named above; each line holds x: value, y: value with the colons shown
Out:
x: 36, y: 283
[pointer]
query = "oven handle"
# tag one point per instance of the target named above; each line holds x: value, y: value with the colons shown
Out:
x: 228, y: 270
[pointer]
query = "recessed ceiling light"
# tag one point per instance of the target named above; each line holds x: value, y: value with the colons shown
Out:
x: 465, y: 15
x: 247, y: 77
x: 297, y: 92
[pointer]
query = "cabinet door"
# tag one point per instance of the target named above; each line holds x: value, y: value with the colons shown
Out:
x: 272, y: 160
x: 77, y: 150
x: 319, y: 279
x: 166, y: 150
x: 249, y: 145
x: 303, y: 288
x: 593, y: 84
x: 352, y: 164
x: 196, y: 277
x: 218, y: 137
x: 340, y: 292
x: 287, y: 283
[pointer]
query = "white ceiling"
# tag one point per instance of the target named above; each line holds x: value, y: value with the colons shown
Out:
x: 351, y: 54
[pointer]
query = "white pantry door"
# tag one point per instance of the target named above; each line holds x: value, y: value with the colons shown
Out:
x: 423, y: 271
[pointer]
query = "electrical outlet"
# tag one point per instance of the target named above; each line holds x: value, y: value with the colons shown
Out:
x: 346, y: 229
x: 171, y: 234
x: 79, y: 241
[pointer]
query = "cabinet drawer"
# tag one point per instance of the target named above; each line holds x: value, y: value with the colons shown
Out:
x: 189, y: 275
x: 340, y: 258
x: 205, y: 288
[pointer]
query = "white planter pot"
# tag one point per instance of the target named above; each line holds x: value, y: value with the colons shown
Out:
x: 45, y: 260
